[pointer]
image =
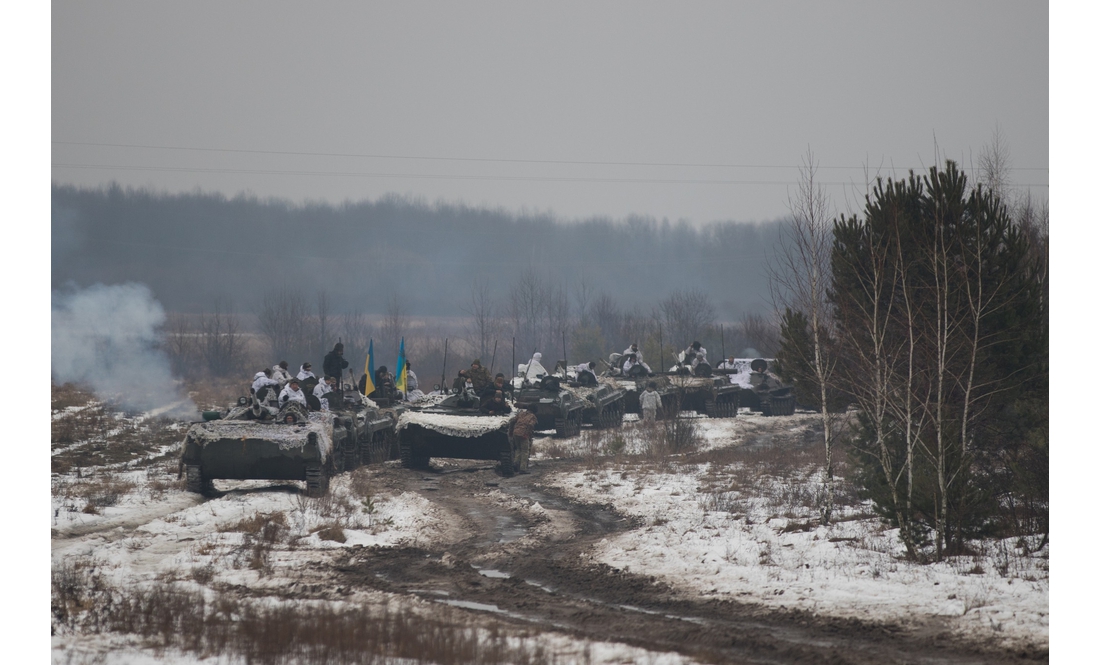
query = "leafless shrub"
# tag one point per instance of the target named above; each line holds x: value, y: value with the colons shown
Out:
x: 724, y: 502
x: 671, y: 436
x: 102, y: 490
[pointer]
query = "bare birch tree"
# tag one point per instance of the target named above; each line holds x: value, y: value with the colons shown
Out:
x: 800, y: 282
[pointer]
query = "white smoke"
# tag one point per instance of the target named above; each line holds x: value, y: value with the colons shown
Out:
x: 106, y: 337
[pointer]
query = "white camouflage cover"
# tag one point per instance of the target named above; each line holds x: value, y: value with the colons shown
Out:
x: 466, y: 427
x: 287, y: 437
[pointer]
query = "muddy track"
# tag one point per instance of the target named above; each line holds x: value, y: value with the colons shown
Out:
x: 533, y: 572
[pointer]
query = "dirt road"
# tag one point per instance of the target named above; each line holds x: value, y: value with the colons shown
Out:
x: 530, y: 572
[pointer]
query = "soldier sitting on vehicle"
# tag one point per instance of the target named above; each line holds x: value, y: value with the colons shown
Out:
x: 292, y: 393
x: 533, y: 369
x: 384, y: 387
x: 499, y: 383
x: 496, y: 406
x: 323, y: 388
x: 586, y: 375
x: 306, y: 372
x: 462, y: 382
x: 280, y: 372
x: 479, y: 376
x: 633, y: 361
x: 413, y: 393
x: 727, y: 365
x: 690, y: 359
x: 262, y: 383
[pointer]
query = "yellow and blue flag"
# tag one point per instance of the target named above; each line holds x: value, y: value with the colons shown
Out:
x: 369, y: 369
x: 402, y: 367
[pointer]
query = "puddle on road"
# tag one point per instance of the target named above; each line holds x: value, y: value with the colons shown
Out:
x: 484, y: 607
x: 492, y: 573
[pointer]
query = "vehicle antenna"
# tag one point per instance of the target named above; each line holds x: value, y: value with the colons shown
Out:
x: 723, y: 331
x: 564, y: 355
x: 443, y: 386
x: 494, y: 360
x: 661, y: 341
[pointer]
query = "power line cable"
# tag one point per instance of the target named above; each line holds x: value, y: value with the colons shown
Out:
x: 438, y: 176
x: 483, y: 159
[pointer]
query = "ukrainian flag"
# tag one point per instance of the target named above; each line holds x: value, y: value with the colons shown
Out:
x: 402, y: 367
x: 369, y: 369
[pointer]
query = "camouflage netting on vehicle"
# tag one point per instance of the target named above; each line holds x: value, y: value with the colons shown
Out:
x: 285, y: 436
x: 744, y: 370
x: 454, y: 425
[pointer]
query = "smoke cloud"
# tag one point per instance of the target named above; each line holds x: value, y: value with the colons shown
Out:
x: 106, y: 337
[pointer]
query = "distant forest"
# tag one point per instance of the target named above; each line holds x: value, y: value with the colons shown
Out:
x: 193, y: 249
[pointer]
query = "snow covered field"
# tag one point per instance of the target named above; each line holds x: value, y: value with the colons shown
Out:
x: 737, y: 531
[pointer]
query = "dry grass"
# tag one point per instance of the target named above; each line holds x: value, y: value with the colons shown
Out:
x: 166, y: 615
x: 90, y: 493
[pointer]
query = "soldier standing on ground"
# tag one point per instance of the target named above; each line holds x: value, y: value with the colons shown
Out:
x: 523, y: 428
x: 649, y: 401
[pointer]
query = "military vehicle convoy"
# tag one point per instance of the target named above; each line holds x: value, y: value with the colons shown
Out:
x: 455, y: 428
x: 253, y: 441
x: 680, y: 389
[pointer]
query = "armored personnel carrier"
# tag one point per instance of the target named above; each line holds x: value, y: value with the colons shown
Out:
x: 714, y: 396
x: 454, y: 427
x: 557, y: 406
x: 761, y: 389
x: 251, y: 441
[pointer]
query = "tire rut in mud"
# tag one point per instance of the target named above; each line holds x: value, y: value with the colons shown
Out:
x: 505, y: 571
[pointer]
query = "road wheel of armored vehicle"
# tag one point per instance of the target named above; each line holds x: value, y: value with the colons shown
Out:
x: 711, y: 409
x: 567, y: 427
x: 413, y: 459
x: 781, y: 406
x: 374, y: 448
x: 196, y: 482
x: 351, y: 447
x: 507, y: 465
x: 316, y: 481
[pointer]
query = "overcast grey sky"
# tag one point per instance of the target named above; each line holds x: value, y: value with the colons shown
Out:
x: 697, y: 110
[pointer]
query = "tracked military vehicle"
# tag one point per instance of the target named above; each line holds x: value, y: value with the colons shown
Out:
x: 714, y: 396
x: 556, y: 405
x: 454, y: 427
x: 256, y: 441
x: 761, y: 389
